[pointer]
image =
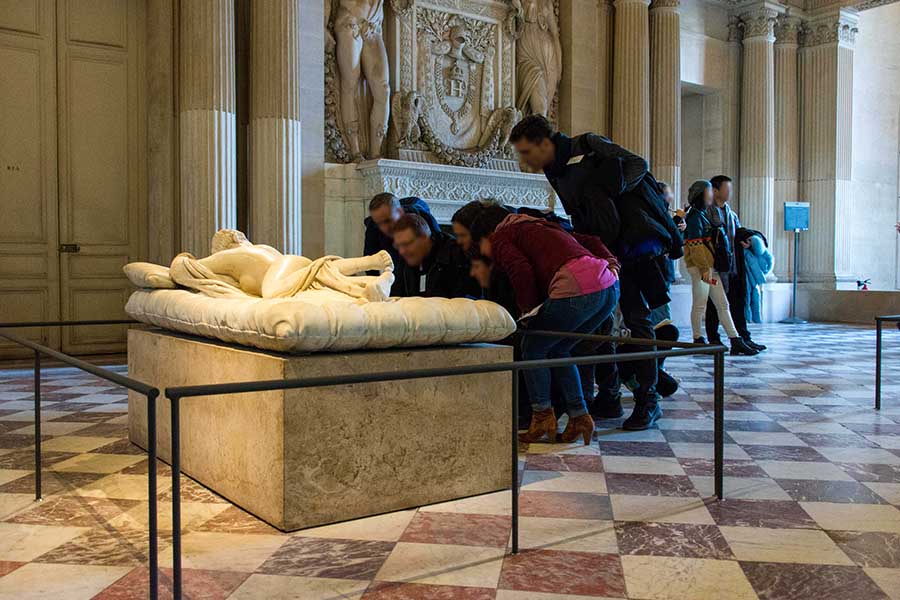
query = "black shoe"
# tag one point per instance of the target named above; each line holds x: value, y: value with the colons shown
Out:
x: 604, y: 408
x: 700, y: 340
x: 754, y: 345
x: 739, y: 347
x: 643, y: 417
x: 666, y: 385
x: 715, y: 341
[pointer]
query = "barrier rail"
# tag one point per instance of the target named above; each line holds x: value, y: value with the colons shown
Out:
x: 151, y: 394
x: 879, y: 321
x: 176, y: 394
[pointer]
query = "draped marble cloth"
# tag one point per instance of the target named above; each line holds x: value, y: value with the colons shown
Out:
x: 537, y: 53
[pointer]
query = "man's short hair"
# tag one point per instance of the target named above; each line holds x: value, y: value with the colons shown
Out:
x: 414, y: 222
x: 718, y: 180
x: 487, y: 222
x: 384, y: 199
x: 533, y: 128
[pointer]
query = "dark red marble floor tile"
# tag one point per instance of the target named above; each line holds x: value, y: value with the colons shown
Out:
x: 790, y: 453
x: 638, y: 484
x: 773, y: 514
x: 457, y: 528
x: 635, y: 448
x: 339, y: 559
x: 191, y: 491
x: 24, y: 459
x: 731, y: 468
x: 8, y: 566
x: 122, y: 446
x: 564, y: 462
x: 385, y: 590
x: 196, y: 585
x: 73, y: 511
x: 874, y: 428
x: 806, y: 490
x: 672, y: 539
x: 105, y: 546
x: 52, y: 482
x: 559, y: 572
x: 142, y: 467
x: 234, y: 520
x: 15, y: 441
x: 782, y: 581
x: 693, y: 437
x: 758, y: 426
x: 83, y: 416
x: 564, y: 505
x: 870, y: 549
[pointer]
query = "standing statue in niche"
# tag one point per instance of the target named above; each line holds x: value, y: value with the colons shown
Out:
x: 538, y: 55
x: 361, y: 55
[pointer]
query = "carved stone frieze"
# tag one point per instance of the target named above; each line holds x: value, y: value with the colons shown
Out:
x: 839, y: 28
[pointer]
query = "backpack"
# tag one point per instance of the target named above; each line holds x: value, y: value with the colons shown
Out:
x: 723, y: 257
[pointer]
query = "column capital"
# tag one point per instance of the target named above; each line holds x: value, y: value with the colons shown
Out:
x: 835, y: 28
x: 760, y: 23
x: 618, y: 3
x: 665, y: 4
x: 787, y: 30
x: 735, y: 29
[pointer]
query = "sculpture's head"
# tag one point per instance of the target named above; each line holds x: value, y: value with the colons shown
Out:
x: 532, y: 137
x: 225, y: 239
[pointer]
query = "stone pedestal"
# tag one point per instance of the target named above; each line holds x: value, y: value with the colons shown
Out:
x: 300, y: 458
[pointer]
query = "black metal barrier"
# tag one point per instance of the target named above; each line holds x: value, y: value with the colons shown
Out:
x: 176, y: 394
x: 151, y: 394
x: 879, y: 321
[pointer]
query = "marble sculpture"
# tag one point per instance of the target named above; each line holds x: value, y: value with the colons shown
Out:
x: 252, y: 294
x: 538, y: 55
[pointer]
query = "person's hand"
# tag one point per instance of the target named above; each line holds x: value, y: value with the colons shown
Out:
x: 682, y: 226
x: 614, y: 269
x: 705, y: 276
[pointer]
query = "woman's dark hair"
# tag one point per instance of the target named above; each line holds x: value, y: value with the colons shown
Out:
x: 466, y: 215
x: 487, y: 221
x: 696, y: 192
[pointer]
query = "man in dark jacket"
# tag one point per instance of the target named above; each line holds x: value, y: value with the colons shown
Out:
x: 609, y: 192
x: 433, y: 264
x: 385, y: 210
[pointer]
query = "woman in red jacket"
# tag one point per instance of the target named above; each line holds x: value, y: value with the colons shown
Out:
x: 573, y: 282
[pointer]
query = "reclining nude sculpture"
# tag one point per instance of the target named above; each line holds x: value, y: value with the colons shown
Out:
x: 252, y: 294
x: 237, y: 267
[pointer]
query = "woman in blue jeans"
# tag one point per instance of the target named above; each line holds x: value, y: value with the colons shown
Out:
x: 572, y: 281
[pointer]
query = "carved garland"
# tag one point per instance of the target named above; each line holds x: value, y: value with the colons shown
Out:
x: 462, y: 158
x: 335, y: 145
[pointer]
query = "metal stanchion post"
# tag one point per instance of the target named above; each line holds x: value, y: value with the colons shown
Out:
x: 151, y: 490
x: 176, y: 499
x: 514, y: 487
x: 877, y: 363
x: 38, y: 493
x: 719, y: 418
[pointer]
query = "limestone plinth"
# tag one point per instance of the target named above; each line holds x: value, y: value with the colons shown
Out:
x: 300, y: 458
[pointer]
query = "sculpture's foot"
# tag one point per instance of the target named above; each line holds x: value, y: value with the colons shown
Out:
x: 385, y: 262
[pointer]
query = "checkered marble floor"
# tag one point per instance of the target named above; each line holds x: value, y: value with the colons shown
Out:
x: 812, y: 480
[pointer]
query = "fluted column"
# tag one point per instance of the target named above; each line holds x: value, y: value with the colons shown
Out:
x: 665, y: 92
x: 207, y: 122
x: 604, y: 67
x: 826, y: 73
x: 731, y: 110
x: 787, y: 136
x: 631, y: 77
x: 757, y: 180
x: 275, y: 152
x: 578, y: 99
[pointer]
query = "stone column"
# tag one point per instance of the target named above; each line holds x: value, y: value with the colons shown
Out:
x: 665, y: 96
x: 757, y: 179
x: 631, y: 77
x: 604, y: 67
x: 787, y: 137
x: 731, y: 110
x: 275, y: 152
x: 826, y: 74
x: 207, y: 122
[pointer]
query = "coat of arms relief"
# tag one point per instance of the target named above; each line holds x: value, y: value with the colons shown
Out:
x: 452, y: 84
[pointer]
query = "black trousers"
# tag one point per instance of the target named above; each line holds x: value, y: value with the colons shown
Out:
x: 636, y: 315
x: 737, y: 302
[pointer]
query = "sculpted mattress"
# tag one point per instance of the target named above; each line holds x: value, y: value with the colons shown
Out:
x: 305, y: 325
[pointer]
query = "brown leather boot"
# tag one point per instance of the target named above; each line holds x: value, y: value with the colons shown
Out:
x: 582, y: 426
x: 543, y: 422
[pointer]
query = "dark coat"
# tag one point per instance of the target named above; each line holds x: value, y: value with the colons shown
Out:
x: 446, y: 272
x: 376, y: 241
x: 609, y: 192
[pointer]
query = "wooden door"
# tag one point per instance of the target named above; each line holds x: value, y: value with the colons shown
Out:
x: 102, y: 173
x: 29, y: 272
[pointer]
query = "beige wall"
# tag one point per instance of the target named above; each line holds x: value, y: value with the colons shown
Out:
x: 876, y: 110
